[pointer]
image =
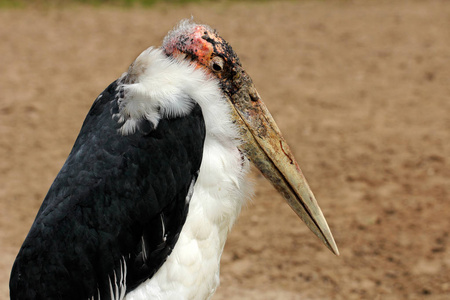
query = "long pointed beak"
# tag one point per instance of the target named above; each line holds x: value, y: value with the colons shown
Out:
x: 267, y: 149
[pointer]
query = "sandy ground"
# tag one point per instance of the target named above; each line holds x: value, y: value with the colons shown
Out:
x: 360, y: 90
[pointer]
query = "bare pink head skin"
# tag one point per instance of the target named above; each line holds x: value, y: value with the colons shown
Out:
x: 202, y: 45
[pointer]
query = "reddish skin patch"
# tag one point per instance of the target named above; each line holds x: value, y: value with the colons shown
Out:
x: 202, y: 44
x: 194, y: 45
x: 200, y: 47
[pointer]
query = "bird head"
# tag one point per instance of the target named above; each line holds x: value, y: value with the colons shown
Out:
x: 262, y: 141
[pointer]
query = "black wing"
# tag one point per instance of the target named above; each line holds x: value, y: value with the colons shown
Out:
x: 117, y: 206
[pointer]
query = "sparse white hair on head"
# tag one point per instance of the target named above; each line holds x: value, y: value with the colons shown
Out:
x: 184, y: 28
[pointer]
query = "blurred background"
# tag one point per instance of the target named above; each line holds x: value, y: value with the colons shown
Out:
x: 360, y: 90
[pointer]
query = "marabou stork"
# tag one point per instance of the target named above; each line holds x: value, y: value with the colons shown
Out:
x: 142, y: 207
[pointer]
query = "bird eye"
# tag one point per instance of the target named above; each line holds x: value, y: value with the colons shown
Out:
x: 217, y: 64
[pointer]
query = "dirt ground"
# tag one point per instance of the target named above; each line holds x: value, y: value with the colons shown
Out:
x: 360, y: 89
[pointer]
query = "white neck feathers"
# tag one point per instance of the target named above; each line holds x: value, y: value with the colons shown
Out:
x: 157, y: 86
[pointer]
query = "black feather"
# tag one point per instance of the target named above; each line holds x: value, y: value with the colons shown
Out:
x: 107, y: 204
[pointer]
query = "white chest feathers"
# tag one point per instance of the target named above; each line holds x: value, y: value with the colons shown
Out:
x: 154, y: 81
x: 192, y: 269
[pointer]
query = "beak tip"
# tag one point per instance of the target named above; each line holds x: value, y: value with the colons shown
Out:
x: 326, y: 237
x: 333, y: 247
